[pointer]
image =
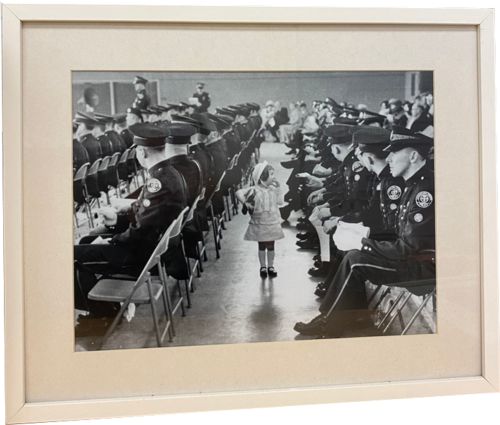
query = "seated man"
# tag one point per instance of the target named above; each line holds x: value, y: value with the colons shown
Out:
x: 136, y: 231
x: 399, y: 262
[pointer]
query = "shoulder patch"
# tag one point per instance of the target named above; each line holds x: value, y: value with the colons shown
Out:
x: 394, y: 192
x: 153, y: 185
x: 424, y: 199
x: 357, y: 167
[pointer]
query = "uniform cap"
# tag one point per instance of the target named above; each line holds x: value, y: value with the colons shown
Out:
x: 119, y: 118
x: 339, y: 134
x: 180, y: 133
x: 103, y: 118
x: 200, y: 84
x: 140, y: 80
x: 82, y: 118
x: 149, y: 135
x: 134, y: 111
x: 401, y: 138
x: 205, y: 125
x: 371, y: 139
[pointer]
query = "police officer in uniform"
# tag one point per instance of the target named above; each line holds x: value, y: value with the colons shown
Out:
x: 136, y: 230
x: 80, y: 154
x: 84, y: 135
x: 142, y: 99
x: 102, y: 138
x: 203, y: 98
x: 117, y: 143
x: 401, y: 262
x: 120, y: 126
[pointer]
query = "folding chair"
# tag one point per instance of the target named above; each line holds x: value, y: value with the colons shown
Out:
x: 80, y: 196
x: 216, y: 217
x: 92, y: 184
x: 143, y: 290
x: 133, y: 172
x: 102, y: 176
x: 112, y: 173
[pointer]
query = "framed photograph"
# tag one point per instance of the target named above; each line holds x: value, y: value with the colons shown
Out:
x: 251, y: 222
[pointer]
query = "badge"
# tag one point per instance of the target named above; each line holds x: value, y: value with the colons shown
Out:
x: 393, y: 206
x: 356, y: 177
x: 357, y: 166
x: 146, y: 202
x: 153, y: 185
x: 424, y: 199
x: 394, y: 192
x: 418, y: 217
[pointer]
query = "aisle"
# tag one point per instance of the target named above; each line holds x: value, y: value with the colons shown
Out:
x: 232, y: 304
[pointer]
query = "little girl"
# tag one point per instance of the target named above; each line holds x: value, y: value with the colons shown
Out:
x: 262, y: 201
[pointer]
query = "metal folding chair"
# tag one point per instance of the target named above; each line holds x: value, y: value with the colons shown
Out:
x: 80, y: 196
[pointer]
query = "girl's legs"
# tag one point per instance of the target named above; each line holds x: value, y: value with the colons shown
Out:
x: 262, y: 254
x: 270, y: 253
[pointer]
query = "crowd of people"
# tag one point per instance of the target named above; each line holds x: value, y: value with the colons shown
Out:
x: 363, y: 182
x: 185, y: 152
x: 357, y: 175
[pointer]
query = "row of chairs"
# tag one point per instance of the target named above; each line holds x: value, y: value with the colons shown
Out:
x: 111, y: 174
x: 148, y: 287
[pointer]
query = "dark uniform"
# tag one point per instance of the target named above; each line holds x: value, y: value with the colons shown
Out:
x: 402, y: 262
x: 80, y: 155
x: 106, y: 145
x: 142, y: 99
x: 127, y: 137
x: 161, y: 200
x: 117, y: 143
x: 204, y: 99
x: 92, y: 146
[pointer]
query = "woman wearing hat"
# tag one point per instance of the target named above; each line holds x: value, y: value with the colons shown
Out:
x: 263, y: 200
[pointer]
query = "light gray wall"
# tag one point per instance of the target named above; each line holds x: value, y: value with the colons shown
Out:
x: 228, y: 88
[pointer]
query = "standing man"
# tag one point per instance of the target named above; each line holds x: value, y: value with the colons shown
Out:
x: 142, y: 99
x: 203, y: 98
x: 400, y: 262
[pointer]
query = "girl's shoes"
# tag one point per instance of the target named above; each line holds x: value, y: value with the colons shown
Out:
x: 263, y: 272
x: 271, y: 272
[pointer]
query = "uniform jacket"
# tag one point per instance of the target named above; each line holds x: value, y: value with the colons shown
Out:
x: 90, y: 143
x: 381, y: 212
x: 204, y: 99
x: 190, y: 170
x: 127, y: 137
x: 117, y: 143
x: 80, y: 155
x: 106, y: 145
x: 161, y: 200
x: 415, y: 220
x: 201, y: 155
x: 141, y: 103
x: 352, y: 191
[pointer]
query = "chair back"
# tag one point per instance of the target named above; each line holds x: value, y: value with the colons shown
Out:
x: 122, y: 165
x: 190, y: 214
x: 178, y: 222
x: 91, y: 179
x: 104, y: 164
x: 112, y: 170
x: 81, y: 173
x: 79, y: 189
x: 114, y: 159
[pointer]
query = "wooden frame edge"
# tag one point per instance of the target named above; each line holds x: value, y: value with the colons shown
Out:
x: 489, y: 206
x: 18, y: 411
x: 13, y: 224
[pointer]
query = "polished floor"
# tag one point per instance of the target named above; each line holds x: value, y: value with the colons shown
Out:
x: 231, y: 303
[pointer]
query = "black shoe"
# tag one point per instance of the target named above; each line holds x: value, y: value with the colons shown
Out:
x: 303, y: 236
x: 290, y: 164
x: 320, y: 292
x: 290, y: 152
x: 285, y: 212
x: 317, y: 263
x: 316, y: 327
x: 263, y: 272
x: 307, y: 244
x: 271, y: 272
x: 320, y: 271
x: 317, y: 257
x: 305, y: 227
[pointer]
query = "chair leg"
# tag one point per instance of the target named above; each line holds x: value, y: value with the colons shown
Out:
x: 154, y: 313
x: 167, y: 302
x: 179, y: 291
x: 188, y: 297
x: 398, y: 312
x: 214, y: 228
x: 390, y: 310
x: 419, y: 310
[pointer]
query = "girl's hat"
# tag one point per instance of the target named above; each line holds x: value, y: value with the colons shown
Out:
x: 258, y: 170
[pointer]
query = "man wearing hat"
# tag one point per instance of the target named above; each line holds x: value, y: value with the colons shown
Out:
x: 381, y: 210
x: 117, y: 143
x: 120, y: 127
x: 142, y: 99
x: 202, y: 97
x: 178, y: 138
x: 84, y: 135
x: 80, y: 154
x: 400, y: 262
x: 102, y: 139
x: 135, y: 230
x: 396, y: 115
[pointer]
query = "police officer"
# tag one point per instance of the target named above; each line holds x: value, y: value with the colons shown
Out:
x: 135, y: 230
x: 142, y: 99
x: 203, y: 98
x: 80, y: 154
x: 120, y: 126
x: 84, y: 135
x: 401, y: 262
x: 117, y: 143
x: 102, y: 138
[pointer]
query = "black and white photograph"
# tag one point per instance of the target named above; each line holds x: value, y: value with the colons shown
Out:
x: 240, y: 207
